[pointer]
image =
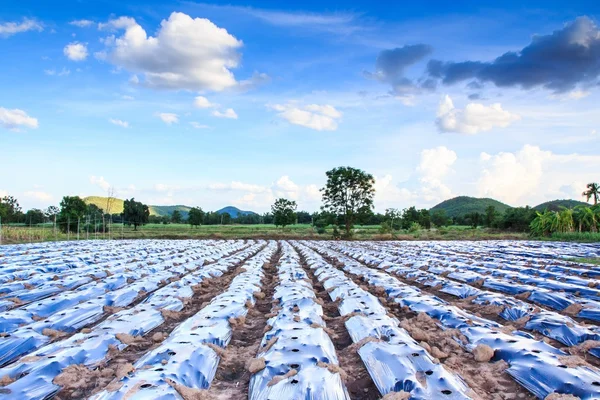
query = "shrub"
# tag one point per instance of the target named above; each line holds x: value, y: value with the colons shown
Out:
x: 414, y: 227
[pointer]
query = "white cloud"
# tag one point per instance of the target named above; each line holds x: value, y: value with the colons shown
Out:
x: 473, y: 119
x: 127, y: 97
x: 532, y: 175
x: 313, y: 116
x: 202, y: 102
x: 76, y: 51
x: 12, y: 28
x: 14, y: 119
x: 198, y: 125
x: 63, y: 72
x: 100, y: 182
x: 82, y: 23
x: 572, y: 95
x: 168, y: 118
x: 186, y: 53
x: 435, y: 165
x: 236, y: 185
x: 259, y: 196
x: 118, y: 122
x: 593, y: 132
x: 229, y: 113
x: 37, y: 195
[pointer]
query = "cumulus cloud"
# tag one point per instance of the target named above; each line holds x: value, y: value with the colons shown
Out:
x: 118, y: 122
x: 313, y: 116
x: 82, y: 23
x: 76, y: 51
x: 15, y: 119
x: 168, y: 118
x: 228, y: 113
x: 202, y: 102
x: 559, y: 61
x: 12, y: 28
x: 186, y: 53
x: 435, y: 165
x: 473, y: 119
x: 100, y: 182
x: 532, y: 175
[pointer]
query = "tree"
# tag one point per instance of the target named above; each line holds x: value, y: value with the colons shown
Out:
x: 34, y: 217
x: 176, y: 217
x: 195, y: 216
x: 439, y: 218
x: 348, y: 194
x: 475, y: 218
x: 593, y: 191
x: 225, y: 219
x: 490, y: 216
x: 284, y: 212
x: 135, y: 213
x: 303, y: 217
x: 72, y: 209
x: 393, y: 217
x: 10, y: 210
x: 51, y: 212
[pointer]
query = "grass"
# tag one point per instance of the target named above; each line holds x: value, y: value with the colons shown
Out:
x: 40, y: 233
x: 586, y: 260
x: 589, y: 237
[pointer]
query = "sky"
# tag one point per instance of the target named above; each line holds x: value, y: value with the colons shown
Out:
x: 239, y: 103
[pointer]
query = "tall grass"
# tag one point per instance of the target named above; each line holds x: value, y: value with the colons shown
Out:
x: 576, y: 236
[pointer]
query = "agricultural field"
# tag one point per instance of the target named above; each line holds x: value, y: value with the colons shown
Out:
x: 299, y: 319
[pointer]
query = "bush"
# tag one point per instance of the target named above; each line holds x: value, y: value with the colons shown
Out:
x: 386, y: 227
x: 414, y: 227
x: 321, y: 230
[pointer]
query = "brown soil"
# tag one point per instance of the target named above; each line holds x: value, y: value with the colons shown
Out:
x: 232, y: 379
x: 78, y: 383
x: 487, y: 380
x: 358, y: 381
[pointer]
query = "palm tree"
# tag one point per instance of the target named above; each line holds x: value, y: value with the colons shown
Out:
x: 592, y: 192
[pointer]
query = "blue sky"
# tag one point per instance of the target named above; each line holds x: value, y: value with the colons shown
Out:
x: 238, y: 103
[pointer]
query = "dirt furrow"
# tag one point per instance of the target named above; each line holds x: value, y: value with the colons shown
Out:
x: 232, y: 379
x: 79, y: 381
x: 358, y: 381
x: 489, y: 380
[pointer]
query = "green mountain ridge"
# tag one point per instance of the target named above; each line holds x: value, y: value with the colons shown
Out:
x: 462, y: 205
x: 117, y: 206
x: 555, y: 205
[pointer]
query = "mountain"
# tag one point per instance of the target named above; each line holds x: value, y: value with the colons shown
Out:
x: 233, y: 211
x: 555, y: 205
x: 462, y: 205
x: 117, y: 207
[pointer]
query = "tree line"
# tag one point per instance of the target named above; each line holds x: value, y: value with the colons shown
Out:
x: 347, y: 201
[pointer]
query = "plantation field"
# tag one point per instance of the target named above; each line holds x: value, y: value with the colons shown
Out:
x: 296, y: 319
x: 23, y: 234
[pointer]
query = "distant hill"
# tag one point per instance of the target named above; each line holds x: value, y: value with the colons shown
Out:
x: 462, y: 205
x: 117, y: 207
x: 555, y: 205
x: 233, y: 211
x: 160, y: 211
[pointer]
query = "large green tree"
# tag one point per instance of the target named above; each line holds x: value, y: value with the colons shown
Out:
x: 135, y: 213
x: 284, y: 212
x: 72, y: 210
x: 349, y: 194
x: 195, y: 216
x: 34, y: 217
x: 176, y: 217
x: 10, y: 210
x: 592, y: 192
